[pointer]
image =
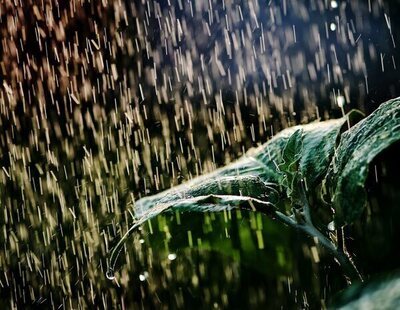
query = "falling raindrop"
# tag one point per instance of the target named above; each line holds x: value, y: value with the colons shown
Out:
x: 172, y: 256
x: 143, y: 276
x: 340, y: 101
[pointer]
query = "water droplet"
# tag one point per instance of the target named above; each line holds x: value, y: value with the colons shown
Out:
x: 143, y: 276
x: 334, y: 4
x: 340, y: 101
x: 332, y: 26
x: 171, y: 256
x: 331, y: 226
x: 141, y: 241
x: 110, y: 274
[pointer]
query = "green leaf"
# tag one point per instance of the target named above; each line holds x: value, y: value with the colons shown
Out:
x: 250, y: 183
x: 291, y: 165
x: 291, y: 176
x: 219, y: 193
x: 317, y: 148
x: 357, y: 148
x: 292, y: 152
x: 257, y: 173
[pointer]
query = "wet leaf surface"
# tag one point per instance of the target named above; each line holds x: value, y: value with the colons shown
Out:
x: 287, y: 170
x: 357, y: 148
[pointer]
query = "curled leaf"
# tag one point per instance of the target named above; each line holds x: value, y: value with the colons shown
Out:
x: 253, y: 182
x: 357, y: 148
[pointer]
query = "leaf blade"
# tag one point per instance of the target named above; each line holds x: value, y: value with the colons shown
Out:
x: 357, y: 148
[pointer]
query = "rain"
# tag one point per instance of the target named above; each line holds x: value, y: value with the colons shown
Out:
x: 105, y: 102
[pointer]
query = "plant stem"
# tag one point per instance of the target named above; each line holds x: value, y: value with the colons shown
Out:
x: 340, y: 253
